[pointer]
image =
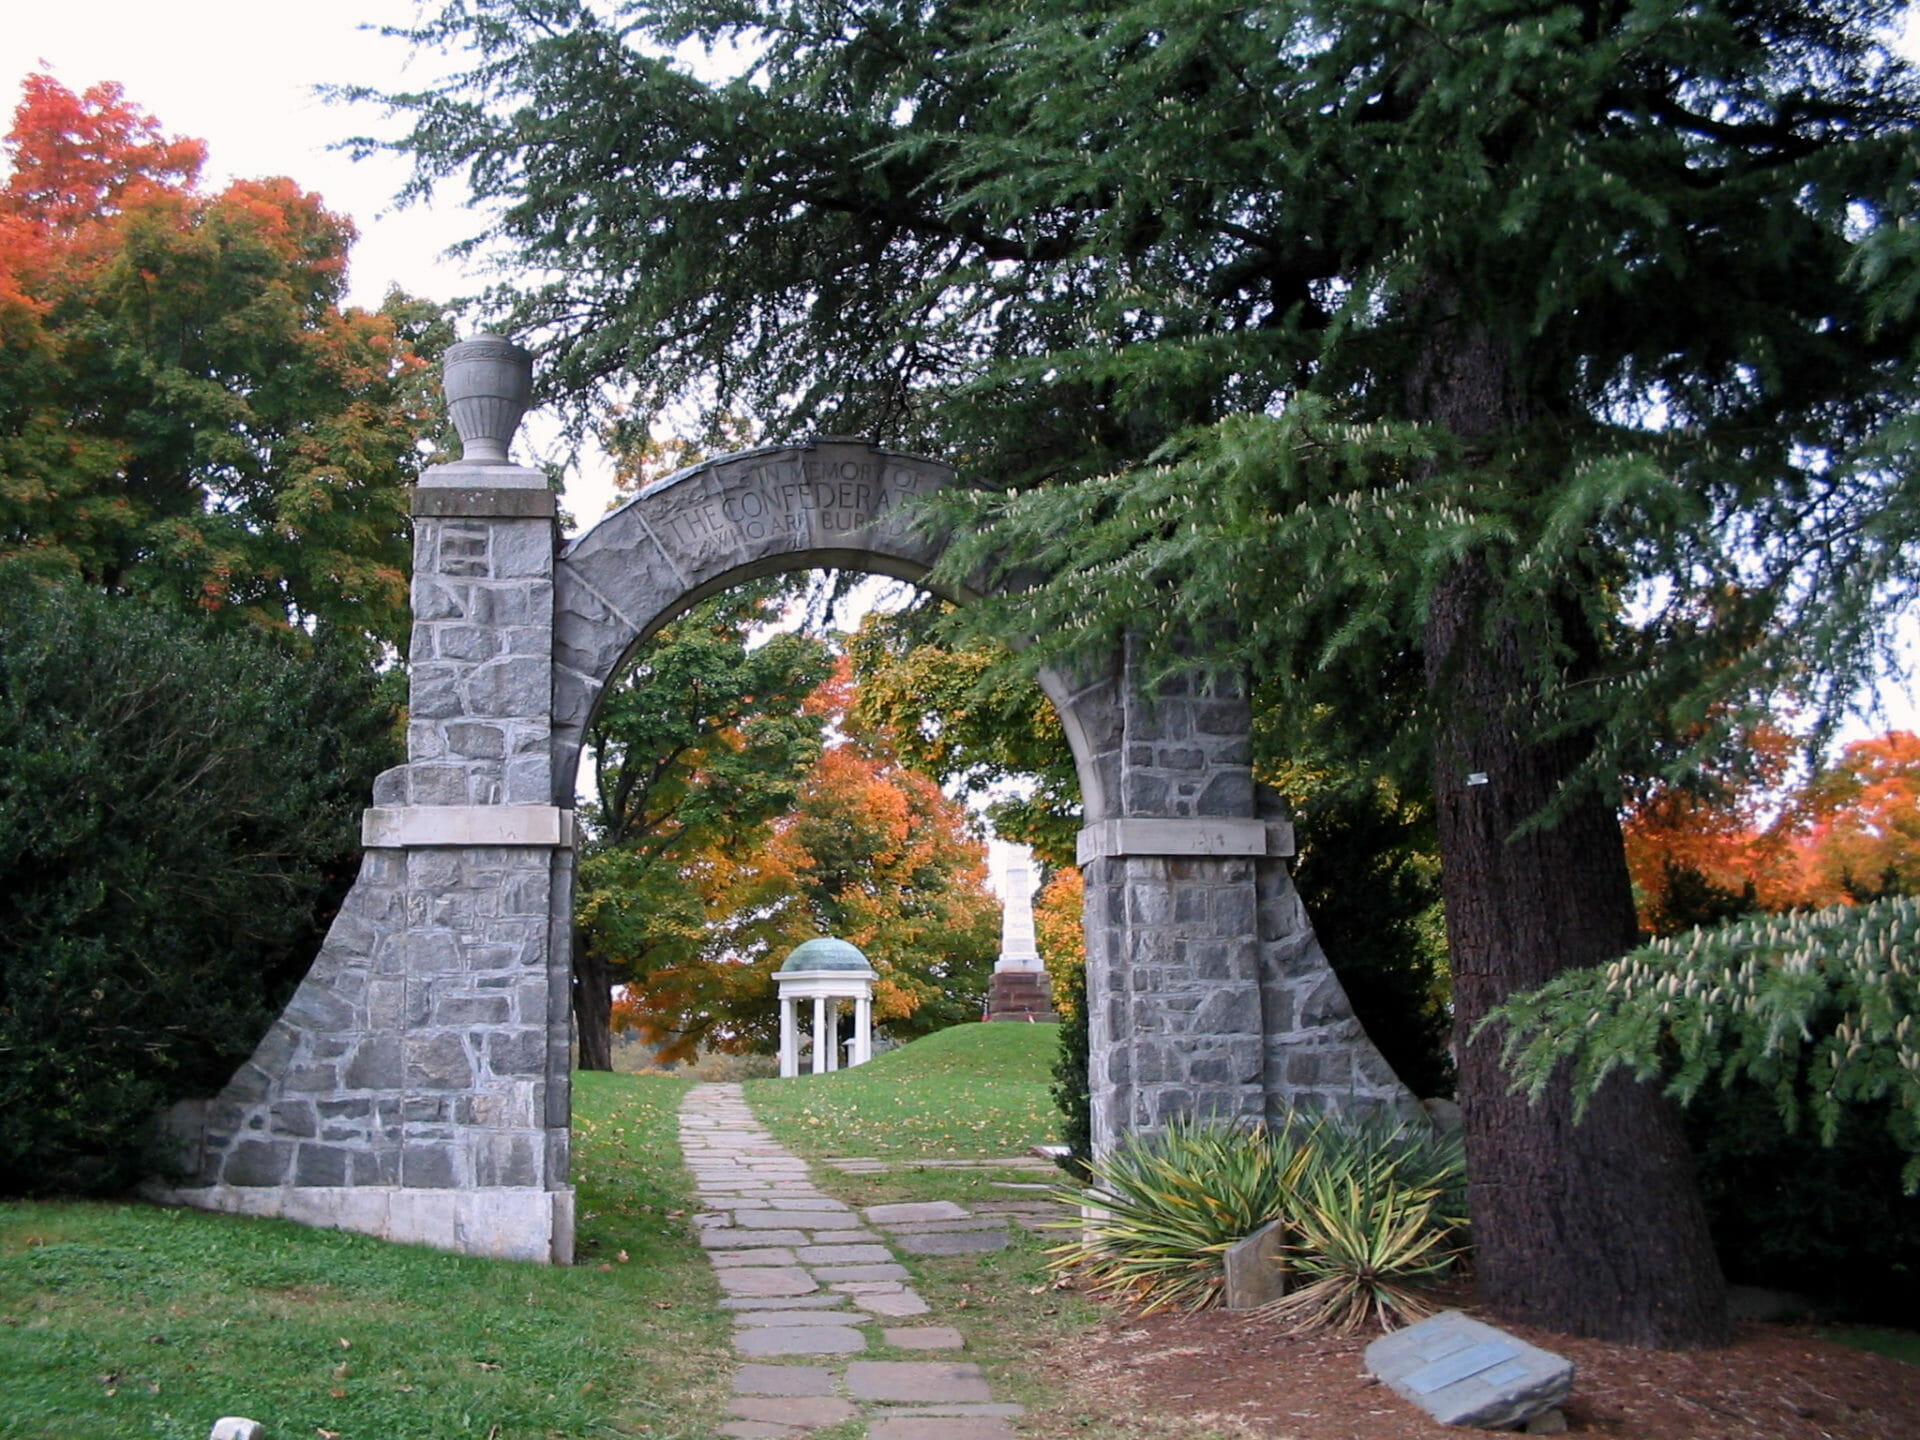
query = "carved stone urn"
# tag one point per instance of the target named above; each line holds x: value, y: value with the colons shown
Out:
x: 489, y: 384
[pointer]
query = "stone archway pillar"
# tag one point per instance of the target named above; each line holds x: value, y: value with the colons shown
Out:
x: 416, y: 1086
x: 1207, y: 992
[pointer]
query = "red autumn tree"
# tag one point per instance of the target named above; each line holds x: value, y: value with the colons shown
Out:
x: 1862, y: 838
x: 188, y: 412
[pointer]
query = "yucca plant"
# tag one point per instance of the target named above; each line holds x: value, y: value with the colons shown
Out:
x: 1365, y: 1242
x: 1168, y: 1208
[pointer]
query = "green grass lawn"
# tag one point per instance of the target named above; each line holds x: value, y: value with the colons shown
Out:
x: 967, y: 1092
x: 125, y: 1321
x: 1900, y: 1344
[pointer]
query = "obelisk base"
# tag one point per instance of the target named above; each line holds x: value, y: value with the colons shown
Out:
x: 1021, y: 995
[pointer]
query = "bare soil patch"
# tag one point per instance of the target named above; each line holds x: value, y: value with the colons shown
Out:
x: 1238, y: 1376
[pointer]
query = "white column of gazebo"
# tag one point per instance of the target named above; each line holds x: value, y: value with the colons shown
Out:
x: 826, y: 972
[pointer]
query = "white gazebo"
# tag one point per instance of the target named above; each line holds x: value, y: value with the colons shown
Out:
x: 826, y: 971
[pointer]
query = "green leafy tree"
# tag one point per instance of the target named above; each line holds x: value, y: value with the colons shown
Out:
x: 188, y: 413
x: 966, y: 719
x: 1389, y: 348
x: 1791, y: 1041
x: 698, y: 747
x: 1816, y: 1007
x: 179, y: 818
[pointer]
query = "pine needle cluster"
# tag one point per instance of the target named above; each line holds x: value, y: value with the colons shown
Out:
x: 1817, y: 1007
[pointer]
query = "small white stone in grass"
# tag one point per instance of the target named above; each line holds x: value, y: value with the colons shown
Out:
x: 235, y: 1427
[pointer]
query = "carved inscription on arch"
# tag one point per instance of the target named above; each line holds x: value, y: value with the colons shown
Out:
x: 826, y: 498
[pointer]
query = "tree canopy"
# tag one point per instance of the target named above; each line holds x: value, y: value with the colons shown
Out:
x: 187, y: 412
x: 1517, y: 386
x: 698, y: 748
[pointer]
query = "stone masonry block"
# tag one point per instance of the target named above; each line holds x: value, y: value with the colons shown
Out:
x: 437, y: 1061
x: 517, y: 685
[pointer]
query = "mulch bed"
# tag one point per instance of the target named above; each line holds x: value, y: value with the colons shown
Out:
x: 1240, y: 1374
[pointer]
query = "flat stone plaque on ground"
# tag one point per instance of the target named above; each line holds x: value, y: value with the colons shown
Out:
x: 1463, y: 1372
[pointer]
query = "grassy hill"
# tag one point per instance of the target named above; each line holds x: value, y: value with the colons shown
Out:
x: 969, y: 1091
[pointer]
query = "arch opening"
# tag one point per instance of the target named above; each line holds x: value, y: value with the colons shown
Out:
x: 418, y: 1084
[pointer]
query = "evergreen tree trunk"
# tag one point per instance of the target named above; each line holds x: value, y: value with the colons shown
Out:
x: 1593, y: 1228
x: 592, y: 1007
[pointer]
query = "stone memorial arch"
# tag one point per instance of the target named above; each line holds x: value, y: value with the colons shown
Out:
x: 417, y: 1084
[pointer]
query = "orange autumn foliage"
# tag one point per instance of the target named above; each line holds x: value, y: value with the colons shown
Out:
x: 1059, y: 931
x: 188, y: 413
x: 872, y: 853
x: 1849, y: 833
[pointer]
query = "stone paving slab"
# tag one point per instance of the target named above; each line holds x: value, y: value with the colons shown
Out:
x: 762, y: 1283
x: 925, y: 1337
x: 844, y: 1255
x: 918, y: 1382
x: 763, y: 1318
x: 781, y: 1302
x: 918, y: 1428
x: 962, y: 1242
x: 794, y: 1219
x: 783, y: 1380
x: 811, y: 1412
x: 849, y: 1274
x: 733, y: 1239
x: 948, y: 1227
x: 894, y: 1307
x: 809, y: 1202
x: 891, y: 1215
x: 734, y: 1259
x: 800, y: 1340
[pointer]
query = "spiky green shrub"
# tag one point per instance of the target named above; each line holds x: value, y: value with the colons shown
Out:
x: 1366, y: 1245
x: 1167, y: 1208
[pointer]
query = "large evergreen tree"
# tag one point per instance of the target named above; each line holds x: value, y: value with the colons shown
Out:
x: 1404, y: 342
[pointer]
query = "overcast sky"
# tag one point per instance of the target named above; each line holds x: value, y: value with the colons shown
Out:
x: 240, y: 74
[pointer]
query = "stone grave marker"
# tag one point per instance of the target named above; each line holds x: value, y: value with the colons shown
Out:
x: 1255, y: 1276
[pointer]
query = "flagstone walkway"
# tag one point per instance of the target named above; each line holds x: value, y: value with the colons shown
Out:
x: 814, y: 1286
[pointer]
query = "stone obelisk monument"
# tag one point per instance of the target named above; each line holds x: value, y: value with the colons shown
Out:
x: 1020, y: 990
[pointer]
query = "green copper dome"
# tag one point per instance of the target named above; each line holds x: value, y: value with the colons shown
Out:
x: 826, y: 954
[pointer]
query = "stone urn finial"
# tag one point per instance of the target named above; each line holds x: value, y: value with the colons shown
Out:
x: 488, y: 383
